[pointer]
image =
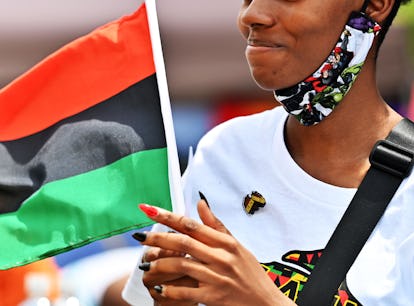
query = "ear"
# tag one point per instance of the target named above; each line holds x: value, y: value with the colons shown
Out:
x: 379, y: 9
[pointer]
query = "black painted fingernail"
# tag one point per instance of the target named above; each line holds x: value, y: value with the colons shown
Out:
x: 145, y: 266
x: 203, y: 197
x: 139, y: 236
x: 158, y: 289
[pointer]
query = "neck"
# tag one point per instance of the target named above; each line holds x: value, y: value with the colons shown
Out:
x: 336, y: 150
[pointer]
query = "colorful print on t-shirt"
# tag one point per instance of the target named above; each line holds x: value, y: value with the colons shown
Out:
x: 291, y: 279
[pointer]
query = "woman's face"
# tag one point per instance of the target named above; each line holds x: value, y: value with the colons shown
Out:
x: 287, y: 40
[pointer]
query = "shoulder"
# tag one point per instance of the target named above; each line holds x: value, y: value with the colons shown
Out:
x: 241, y: 129
x: 406, y: 189
x: 387, y: 259
x: 230, y: 148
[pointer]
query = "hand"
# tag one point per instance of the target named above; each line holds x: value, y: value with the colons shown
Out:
x: 227, y: 273
x: 178, y: 279
x: 151, y: 280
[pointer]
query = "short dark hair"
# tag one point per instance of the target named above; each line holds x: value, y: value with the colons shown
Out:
x: 388, y: 21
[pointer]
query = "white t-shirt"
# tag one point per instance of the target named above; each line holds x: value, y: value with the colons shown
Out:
x: 245, y: 159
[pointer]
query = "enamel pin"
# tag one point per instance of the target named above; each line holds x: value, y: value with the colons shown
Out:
x: 253, y: 202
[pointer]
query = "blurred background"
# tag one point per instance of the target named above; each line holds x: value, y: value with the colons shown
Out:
x: 208, y: 78
x: 209, y: 82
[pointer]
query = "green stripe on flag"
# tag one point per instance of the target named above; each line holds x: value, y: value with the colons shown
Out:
x: 75, y: 211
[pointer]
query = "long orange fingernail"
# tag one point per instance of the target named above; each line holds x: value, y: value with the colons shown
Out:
x: 149, y: 210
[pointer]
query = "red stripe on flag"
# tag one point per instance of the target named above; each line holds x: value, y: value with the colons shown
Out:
x: 111, y: 59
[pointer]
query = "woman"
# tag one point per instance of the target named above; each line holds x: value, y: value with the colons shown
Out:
x: 280, y: 182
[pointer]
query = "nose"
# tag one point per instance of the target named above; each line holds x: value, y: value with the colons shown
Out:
x: 256, y: 13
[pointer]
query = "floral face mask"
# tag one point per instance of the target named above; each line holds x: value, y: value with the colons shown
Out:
x: 311, y: 100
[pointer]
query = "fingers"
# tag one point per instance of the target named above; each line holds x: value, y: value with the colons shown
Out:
x: 153, y: 276
x: 157, y: 294
x: 177, y: 293
x: 184, y: 290
x: 154, y: 253
x: 186, y: 266
x: 192, y: 296
x: 209, y: 219
x: 179, y: 243
x: 158, y: 274
x: 151, y: 279
x: 185, y: 281
x: 200, y: 232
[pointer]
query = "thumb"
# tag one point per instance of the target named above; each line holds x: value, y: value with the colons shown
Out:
x: 208, y: 218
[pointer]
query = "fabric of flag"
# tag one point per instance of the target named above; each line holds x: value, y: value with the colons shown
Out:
x: 82, y: 143
x: 410, y: 109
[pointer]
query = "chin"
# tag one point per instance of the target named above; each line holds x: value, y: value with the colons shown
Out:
x: 262, y: 81
x: 269, y: 80
x: 267, y: 84
x: 264, y: 86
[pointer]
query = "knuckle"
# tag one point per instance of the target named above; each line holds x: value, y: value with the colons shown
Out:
x: 232, y: 245
x: 168, y: 218
x: 227, y: 264
x: 185, y: 265
x: 153, y: 239
x: 188, y: 225
x: 228, y: 269
x: 185, y: 243
x: 151, y: 254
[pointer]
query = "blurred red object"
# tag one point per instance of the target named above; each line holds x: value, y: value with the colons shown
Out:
x: 410, y: 112
x: 230, y: 108
x: 12, y: 281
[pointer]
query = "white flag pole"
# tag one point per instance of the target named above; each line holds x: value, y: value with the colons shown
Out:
x: 174, y: 174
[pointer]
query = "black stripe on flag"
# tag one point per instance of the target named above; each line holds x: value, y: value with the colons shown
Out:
x: 126, y: 123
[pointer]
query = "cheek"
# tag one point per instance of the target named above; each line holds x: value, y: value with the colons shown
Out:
x: 308, y: 38
x: 310, y: 46
x: 317, y: 34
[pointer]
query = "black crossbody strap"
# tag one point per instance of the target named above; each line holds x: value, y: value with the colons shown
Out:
x: 391, y: 161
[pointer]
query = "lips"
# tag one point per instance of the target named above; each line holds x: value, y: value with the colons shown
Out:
x: 253, y: 42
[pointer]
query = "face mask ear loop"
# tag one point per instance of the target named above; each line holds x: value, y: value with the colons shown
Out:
x: 365, y: 6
